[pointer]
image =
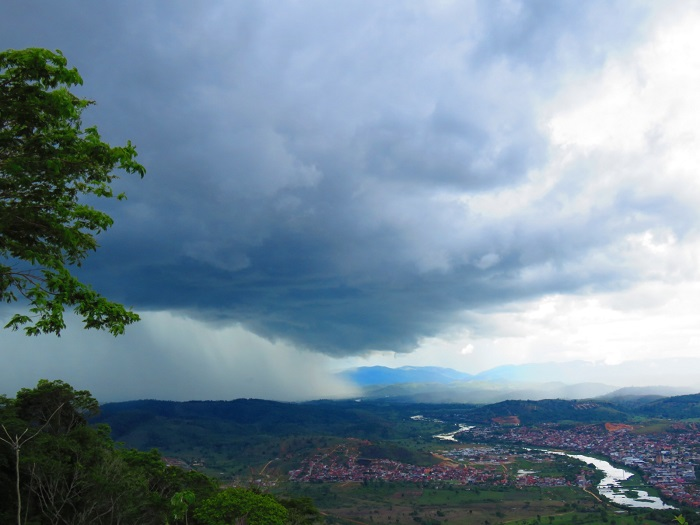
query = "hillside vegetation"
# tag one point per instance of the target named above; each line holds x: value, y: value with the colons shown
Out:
x: 55, y: 468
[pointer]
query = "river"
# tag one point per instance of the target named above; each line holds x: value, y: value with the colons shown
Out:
x: 610, y: 486
x: 450, y: 436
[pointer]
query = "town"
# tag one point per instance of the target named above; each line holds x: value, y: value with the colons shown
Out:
x: 343, y: 465
x: 666, y: 461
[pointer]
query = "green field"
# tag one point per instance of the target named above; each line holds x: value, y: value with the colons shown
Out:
x: 392, y: 503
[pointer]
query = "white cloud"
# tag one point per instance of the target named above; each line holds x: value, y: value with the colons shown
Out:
x: 468, y: 349
x: 625, y: 147
x: 653, y: 320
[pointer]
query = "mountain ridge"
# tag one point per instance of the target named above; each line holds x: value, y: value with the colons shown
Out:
x: 568, y: 380
x: 383, y: 375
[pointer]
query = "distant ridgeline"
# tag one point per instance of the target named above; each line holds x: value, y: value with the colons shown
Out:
x: 177, y: 425
x: 534, y: 381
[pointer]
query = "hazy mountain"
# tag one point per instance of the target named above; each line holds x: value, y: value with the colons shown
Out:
x: 533, y: 381
x: 483, y: 392
x: 382, y: 375
x: 651, y: 391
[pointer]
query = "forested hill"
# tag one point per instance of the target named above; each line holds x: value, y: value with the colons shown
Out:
x: 548, y: 411
x: 370, y: 420
x: 235, y: 436
x: 677, y: 407
x: 148, y: 423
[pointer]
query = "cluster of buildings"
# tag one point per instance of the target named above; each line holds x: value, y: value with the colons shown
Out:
x: 463, y: 465
x: 342, y: 465
x: 667, y: 460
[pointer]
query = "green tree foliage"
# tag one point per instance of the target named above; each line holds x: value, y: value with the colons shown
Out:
x: 70, y: 472
x: 57, y: 405
x: 301, y: 511
x: 49, y: 168
x: 238, y: 505
x: 180, y: 504
x: 55, y: 468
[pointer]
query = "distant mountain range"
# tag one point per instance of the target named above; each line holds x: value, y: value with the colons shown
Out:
x: 382, y: 375
x: 572, y: 380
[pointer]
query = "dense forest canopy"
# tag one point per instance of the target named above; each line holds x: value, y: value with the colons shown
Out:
x: 56, y: 468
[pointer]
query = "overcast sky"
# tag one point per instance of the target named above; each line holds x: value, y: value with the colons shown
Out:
x: 346, y: 183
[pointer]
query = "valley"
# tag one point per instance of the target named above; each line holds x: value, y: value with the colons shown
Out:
x: 382, y: 462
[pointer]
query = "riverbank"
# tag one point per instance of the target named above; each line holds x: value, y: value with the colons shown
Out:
x: 612, y: 489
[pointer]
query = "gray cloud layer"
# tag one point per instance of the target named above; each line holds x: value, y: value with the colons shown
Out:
x: 311, y: 164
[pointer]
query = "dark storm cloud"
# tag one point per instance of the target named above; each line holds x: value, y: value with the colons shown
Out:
x: 301, y: 157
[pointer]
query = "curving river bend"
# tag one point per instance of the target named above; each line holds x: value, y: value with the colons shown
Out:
x: 610, y: 486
